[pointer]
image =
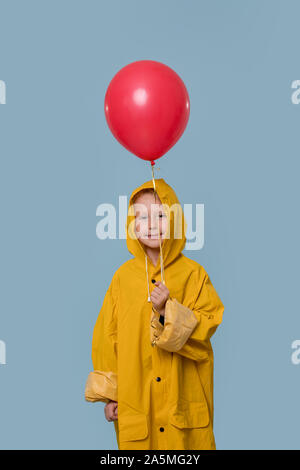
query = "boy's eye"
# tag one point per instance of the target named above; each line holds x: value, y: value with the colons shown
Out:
x: 146, y: 217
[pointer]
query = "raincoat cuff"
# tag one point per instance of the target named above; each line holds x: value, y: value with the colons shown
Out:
x: 101, y: 386
x: 180, y: 322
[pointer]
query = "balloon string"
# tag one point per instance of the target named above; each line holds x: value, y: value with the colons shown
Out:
x: 160, y: 247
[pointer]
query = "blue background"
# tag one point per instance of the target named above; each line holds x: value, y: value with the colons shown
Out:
x: 239, y: 156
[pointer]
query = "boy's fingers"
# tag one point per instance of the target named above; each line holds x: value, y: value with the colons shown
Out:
x: 155, y: 295
x: 158, y: 284
x: 162, y: 287
x: 111, y: 411
x: 158, y: 291
x: 158, y: 295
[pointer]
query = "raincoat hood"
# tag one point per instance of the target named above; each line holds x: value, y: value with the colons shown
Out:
x: 174, y: 241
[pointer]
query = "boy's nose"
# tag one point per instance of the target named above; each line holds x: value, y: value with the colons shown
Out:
x: 153, y: 222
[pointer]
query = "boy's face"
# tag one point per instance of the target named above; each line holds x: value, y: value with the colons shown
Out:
x: 149, y: 218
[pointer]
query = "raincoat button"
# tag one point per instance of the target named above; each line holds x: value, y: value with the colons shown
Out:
x: 161, y: 429
x: 153, y: 280
x: 158, y: 379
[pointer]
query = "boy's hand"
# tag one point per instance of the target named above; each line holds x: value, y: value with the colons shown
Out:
x: 159, y: 296
x: 111, y: 410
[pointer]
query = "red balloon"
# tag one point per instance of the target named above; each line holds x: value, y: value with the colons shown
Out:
x: 147, y: 108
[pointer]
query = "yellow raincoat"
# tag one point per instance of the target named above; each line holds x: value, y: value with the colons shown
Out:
x: 161, y: 375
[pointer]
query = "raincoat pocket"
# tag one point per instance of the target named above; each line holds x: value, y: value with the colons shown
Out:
x: 189, y: 414
x: 133, y: 425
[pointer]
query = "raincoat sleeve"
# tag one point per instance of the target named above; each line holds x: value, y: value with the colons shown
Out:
x: 102, y: 383
x: 187, y: 330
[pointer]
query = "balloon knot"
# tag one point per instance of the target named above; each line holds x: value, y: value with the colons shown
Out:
x: 152, y: 162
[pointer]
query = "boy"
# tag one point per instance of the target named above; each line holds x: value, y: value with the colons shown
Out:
x: 151, y: 350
